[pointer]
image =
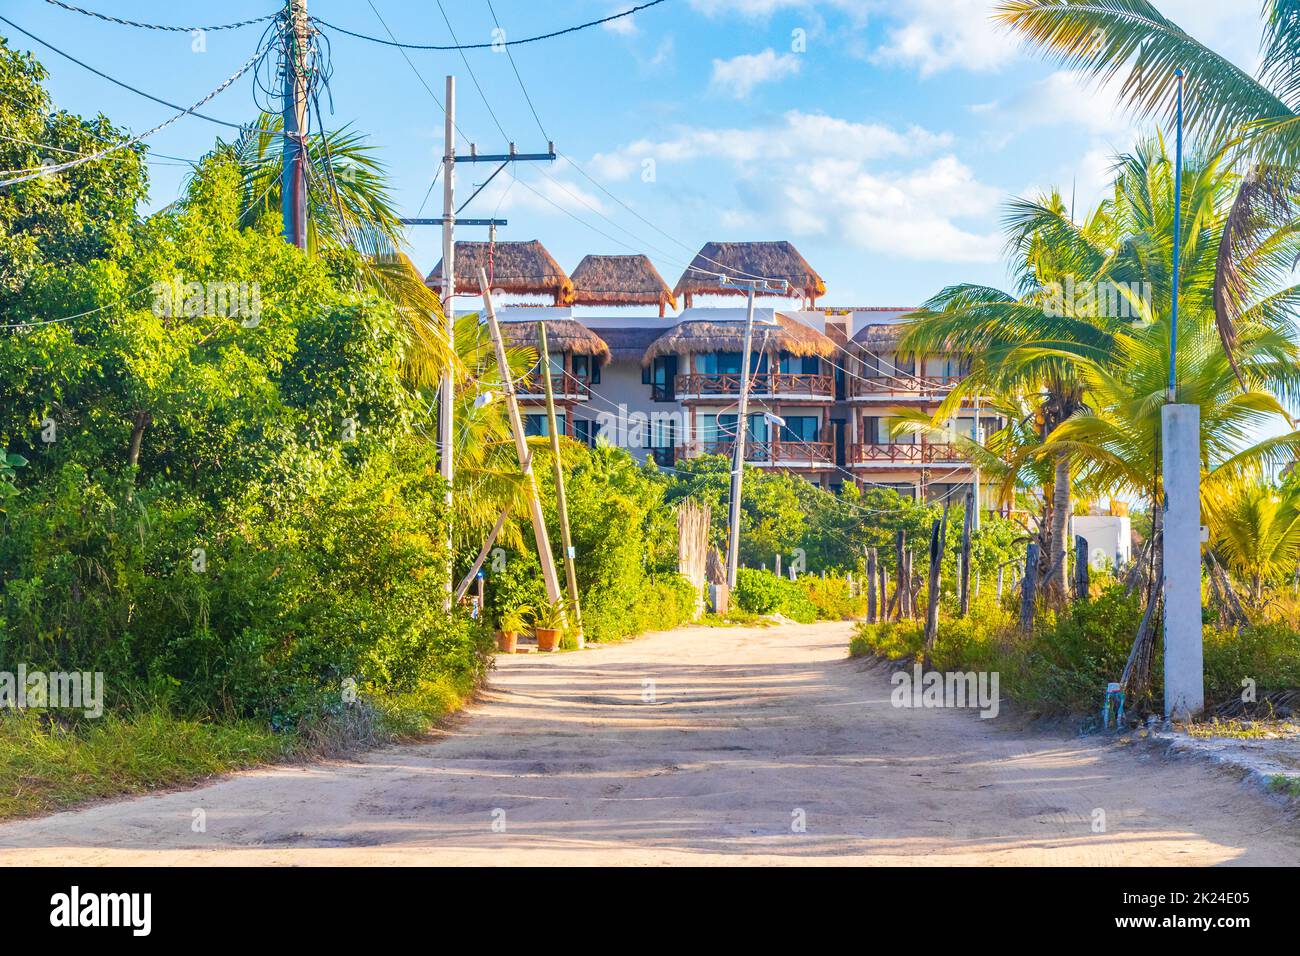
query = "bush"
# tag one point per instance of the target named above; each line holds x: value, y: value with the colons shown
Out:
x: 760, y: 591
x: 830, y: 597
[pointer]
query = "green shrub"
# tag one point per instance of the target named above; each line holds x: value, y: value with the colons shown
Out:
x: 830, y: 597
x: 760, y: 591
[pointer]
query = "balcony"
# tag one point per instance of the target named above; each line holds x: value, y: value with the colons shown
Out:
x: 903, y: 387
x: 565, y: 387
x: 789, y: 385
x: 918, y: 454
x: 789, y: 454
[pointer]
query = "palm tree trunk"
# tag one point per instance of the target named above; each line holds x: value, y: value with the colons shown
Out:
x: 142, y: 420
x: 1058, y: 572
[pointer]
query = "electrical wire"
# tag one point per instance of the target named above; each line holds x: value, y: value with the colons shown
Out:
x: 126, y: 86
x: 158, y: 26
x: 494, y: 44
x: 23, y: 175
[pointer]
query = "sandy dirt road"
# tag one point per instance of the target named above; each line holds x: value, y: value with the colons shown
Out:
x: 747, y: 728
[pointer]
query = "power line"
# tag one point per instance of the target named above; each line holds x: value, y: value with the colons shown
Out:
x: 465, y: 60
x: 79, y: 315
x: 126, y: 86
x: 511, y: 57
x: 158, y: 26
x: 23, y: 175
x: 494, y: 44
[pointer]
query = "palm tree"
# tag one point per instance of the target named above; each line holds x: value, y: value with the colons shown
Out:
x: 1007, y: 337
x: 1133, y: 40
x: 1255, y: 529
x: 349, y: 209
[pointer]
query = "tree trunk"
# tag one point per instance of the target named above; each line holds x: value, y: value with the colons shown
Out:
x: 1058, y: 579
x: 900, y: 572
x: 1028, y: 587
x: 142, y: 420
x: 871, y: 586
x: 938, y: 536
x: 965, y: 556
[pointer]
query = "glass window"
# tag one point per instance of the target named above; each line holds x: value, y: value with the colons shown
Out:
x: 536, y: 425
x: 799, y: 364
x: 800, y: 428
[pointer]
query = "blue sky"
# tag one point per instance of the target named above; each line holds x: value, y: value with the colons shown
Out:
x: 880, y: 136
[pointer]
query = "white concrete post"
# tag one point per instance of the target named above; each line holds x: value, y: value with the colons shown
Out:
x: 1184, y: 667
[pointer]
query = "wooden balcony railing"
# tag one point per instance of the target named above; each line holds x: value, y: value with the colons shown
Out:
x: 695, y: 384
x: 918, y: 453
x: 563, y: 385
x: 922, y: 386
x: 769, y: 452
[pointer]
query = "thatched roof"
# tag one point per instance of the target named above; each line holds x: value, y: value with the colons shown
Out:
x: 769, y: 260
x: 703, y: 335
x: 518, y: 268
x: 630, y: 343
x: 879, y: 336
x: 562, y: 335
x: 620, y: 280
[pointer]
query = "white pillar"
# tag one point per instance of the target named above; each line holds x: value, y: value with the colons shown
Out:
x: 1184, y: 670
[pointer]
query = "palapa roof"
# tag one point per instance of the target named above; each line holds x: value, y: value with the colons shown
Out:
x: 620, y: 280
x: 562, y: 335
x: 704, y: 335
x: 519, y: 268
x: 879, y: 336
x: 629, y: 343
x: 768, y: 260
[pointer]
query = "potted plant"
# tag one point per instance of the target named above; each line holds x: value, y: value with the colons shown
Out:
x: 548, y: 623
x: 511, y: 623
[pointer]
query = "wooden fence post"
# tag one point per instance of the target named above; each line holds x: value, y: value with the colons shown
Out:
x: 965, y: 557
x: 938, y: 537
x: 871, y: 585
x: 1027, y: 587
x: 1082, y: 584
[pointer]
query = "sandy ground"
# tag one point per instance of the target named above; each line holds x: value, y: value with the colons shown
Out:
x: 749, y: 731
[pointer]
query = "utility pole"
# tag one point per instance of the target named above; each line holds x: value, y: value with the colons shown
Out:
x: 975, y: 473
x: 742, y: 423
x: 448, y: 220
x: 549, y: 577
x: 561, y: 503
x: 293, y: 181
x: 1180, y: 426
x: 447, y: 388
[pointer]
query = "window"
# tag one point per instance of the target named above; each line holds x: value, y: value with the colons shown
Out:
x: 535, y: 425
x: 586, y: 369
x: 584, y: 430
x: 728, y: 363
x: 800, y: 428
x: 800, y: 364
x: 722, y: 428
x: 884, y: 436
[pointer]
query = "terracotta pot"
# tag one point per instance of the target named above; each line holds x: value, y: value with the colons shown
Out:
x: 506, y: 641
x: 548, y: 638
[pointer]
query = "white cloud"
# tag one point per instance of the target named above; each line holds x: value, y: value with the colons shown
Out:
x: 935, y: 35
x: 796, y: 134
x: 739, y: 75
x: 623, y: 26
x: 813, y: 174
x: 1064, y: 98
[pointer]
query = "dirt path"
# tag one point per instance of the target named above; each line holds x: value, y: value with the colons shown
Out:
x: 747, y: 728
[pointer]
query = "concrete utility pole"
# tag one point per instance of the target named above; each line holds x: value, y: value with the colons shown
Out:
x: 1180, y: 427
x: 293, y: 175
x: 549, y: 577
x: 448, y: 221
x: 742, y: 424
x: 561, y: 502
x: 447, y: 388
x: 975, y: 472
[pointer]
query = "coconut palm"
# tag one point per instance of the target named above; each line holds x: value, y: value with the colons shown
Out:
x: 1133, y: 40
x: 349, y: 208
x: 1255, y: 529
x: 1007, y: 338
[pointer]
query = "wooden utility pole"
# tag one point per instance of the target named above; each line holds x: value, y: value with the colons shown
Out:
x: 871, y: 585
x: 562, y: 505
x: 447, y: 388
x: 1028, y: 583
x: 549, y: 577
x: 293, y: 176
x: 965, y: 554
